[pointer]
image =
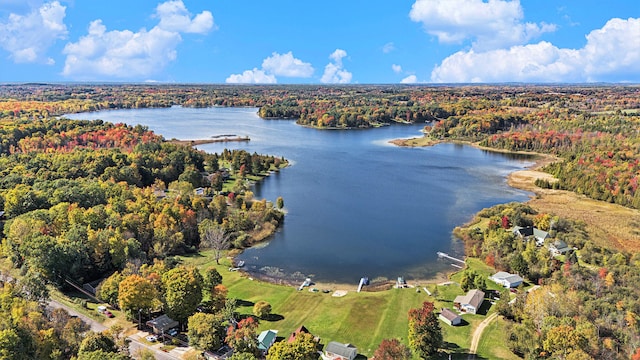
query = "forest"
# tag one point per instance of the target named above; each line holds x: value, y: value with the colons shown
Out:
x: 85, y: 200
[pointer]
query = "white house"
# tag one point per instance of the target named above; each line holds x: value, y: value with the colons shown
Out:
x: 450, y: 317
x: 507, y: 280
x: 338, y: 351
x: 471, y: 302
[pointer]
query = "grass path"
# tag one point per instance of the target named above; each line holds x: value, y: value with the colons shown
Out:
x: 477, y: 335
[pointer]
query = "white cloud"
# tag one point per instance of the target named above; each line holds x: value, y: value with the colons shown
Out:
x: 287, y: 65
x: 334, y: 73
x: 28, y: 37
x: 388, y: 47
x: 411, y: 79
x: 396, y: 68
x: 611, y: 53
x: 129, y: 55
x: 493, y: 24
x: 254, y: 76
x: 174, y: 16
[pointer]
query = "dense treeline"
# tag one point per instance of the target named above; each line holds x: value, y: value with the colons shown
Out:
x: 586, y: 306
x: 83, y: 198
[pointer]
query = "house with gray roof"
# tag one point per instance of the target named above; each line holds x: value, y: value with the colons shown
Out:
x: 558, y: 247
x: 162, y: 324
x: 471, y: 302
x: 506, y: 279
x: 338, y: 351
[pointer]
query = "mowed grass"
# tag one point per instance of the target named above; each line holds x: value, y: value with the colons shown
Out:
x: 491, y: 344
x: 363, y: 319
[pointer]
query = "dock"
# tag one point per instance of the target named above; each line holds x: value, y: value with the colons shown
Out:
x: 446, y: 256
x: 363, y: 281
x: 307, y: 282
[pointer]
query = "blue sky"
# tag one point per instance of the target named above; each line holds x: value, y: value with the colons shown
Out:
x: 373, y: 41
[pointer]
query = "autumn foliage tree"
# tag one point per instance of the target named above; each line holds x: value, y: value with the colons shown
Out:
x: 425, y: 335
x: 302, y: 348
x: 136, y: 293
x: 262, y: 309
x: 392, y: 349
x: 243, y: 338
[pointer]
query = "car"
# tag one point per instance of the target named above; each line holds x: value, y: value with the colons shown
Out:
x: 101, y: 309
x: 172, y: 332
x: 108, y: 314
x: 151, y: 338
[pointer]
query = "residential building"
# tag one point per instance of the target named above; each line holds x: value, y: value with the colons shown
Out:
x: 266, y: 339
x: 470, y: 302
x: 338, y: 351
x: 506, y: 279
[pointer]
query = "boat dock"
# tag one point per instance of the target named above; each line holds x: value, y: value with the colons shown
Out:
x: 363, y: 281
x: 307, y: 282
x: 446, y: 256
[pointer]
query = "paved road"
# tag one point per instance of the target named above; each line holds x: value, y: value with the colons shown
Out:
x: 477, y: 335
x: 96, y: 326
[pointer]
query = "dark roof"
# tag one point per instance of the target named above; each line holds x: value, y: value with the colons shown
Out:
x: 162, y: 323
x: 345, y: 350
x: 523, y: 231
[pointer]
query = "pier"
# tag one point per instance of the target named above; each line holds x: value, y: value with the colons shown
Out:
x: 446, y: 256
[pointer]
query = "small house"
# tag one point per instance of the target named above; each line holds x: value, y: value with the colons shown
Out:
x: 471, y: 302
x: 558, y: 247
x: 266, y: 339
x: 506, y: 279
x: 162, y: 324
x: 450, y: 317
x: 338, y: 351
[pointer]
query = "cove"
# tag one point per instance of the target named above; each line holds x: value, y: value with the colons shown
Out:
x: 356, y: 206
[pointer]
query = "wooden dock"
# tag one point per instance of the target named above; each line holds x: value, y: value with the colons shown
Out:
x: 446, y: 256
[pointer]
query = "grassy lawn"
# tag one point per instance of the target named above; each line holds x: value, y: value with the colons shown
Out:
x: 363, y: 319
x: 492, y: 344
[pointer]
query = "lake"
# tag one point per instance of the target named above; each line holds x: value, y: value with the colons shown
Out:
x: 356, y: 205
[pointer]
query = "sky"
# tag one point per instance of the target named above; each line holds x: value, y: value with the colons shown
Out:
x: 320, y: 42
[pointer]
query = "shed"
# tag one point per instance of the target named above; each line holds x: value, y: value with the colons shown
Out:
x: 450, y: 317
x: 161, y: 324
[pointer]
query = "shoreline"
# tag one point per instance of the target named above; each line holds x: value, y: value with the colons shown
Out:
x: 336, y: 285
x: 209, y: 141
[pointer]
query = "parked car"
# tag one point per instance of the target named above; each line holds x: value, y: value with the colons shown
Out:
x: 151, y: 338
x: 172, y: 332
x: 101, y: 309
x: 108, y: 314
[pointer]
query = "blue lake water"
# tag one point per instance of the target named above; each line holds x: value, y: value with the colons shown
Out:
x: 356, y: 206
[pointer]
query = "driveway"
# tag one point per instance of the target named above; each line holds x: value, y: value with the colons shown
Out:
x: 135, y: 345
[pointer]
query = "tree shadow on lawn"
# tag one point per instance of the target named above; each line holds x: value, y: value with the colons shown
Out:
x: 240, y: 302
x: 273, y: 317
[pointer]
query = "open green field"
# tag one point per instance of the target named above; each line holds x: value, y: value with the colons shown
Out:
x: 363, y: 319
